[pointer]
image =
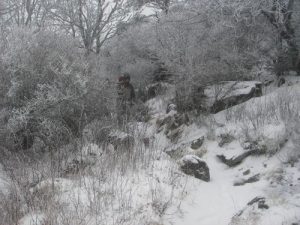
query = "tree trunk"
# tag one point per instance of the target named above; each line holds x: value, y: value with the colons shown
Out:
x: 288, y: 59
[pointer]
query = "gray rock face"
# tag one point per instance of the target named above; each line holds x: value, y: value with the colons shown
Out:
x: 192, y: 165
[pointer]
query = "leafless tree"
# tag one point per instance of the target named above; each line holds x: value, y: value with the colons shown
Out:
x: 280, y: 16
x: 93, y: 21
x: 24, y: 12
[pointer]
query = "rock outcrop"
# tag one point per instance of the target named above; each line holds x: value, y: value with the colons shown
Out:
x: 226, y: 94
x: 234, y: 161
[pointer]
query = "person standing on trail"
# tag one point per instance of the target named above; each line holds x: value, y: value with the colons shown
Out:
x: 125, y: 99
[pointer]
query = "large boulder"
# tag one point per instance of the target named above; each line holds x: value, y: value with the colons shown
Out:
x: 229, y: 93
x: 194, y: 166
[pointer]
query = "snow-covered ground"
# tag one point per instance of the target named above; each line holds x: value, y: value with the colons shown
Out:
x: 153, y: 191
x: 218, y: 201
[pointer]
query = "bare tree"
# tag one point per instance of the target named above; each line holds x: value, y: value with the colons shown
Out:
x: 280, y: 16
x: 24, y: 12
x: 93, y: 21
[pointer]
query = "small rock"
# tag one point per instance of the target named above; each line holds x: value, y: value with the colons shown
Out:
x: 262, y: 205
x: 176, y: 152
x: 197, y: 143
x: 192, y: 165
x: 171, y: 107
x: 261, y: 202
x: 280, y: 82
x: 246, y: 172
x: 175, y: 134
x: 225, y: 139
x: 252, y: 179
x: 256, y: 199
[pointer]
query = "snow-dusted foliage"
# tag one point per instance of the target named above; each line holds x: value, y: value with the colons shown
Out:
x: 149, y: 112
x: 52, y: 87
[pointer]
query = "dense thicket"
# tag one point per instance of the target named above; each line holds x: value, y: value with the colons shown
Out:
x: 60, y: 60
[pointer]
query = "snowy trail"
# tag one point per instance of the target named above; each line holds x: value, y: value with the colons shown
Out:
x: 218, y: 201
x: 215, y: 202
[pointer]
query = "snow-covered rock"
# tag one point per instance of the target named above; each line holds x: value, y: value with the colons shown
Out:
x: 171, y: 107
x: 193, y: 165
x: 230, y: 93
x: 197, y: 143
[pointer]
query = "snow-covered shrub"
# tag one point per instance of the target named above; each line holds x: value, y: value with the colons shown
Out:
x: 203, y: 43
x: 269, y: 120
x: 289, y: 110
x: 134, y: 52
x: 55, y: 90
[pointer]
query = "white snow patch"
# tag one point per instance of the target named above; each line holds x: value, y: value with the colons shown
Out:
x: 4, y: 182
x: 190, y: 158
x: 33, y: 219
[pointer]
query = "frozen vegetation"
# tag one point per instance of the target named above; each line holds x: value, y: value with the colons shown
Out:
x: 149, y: 112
